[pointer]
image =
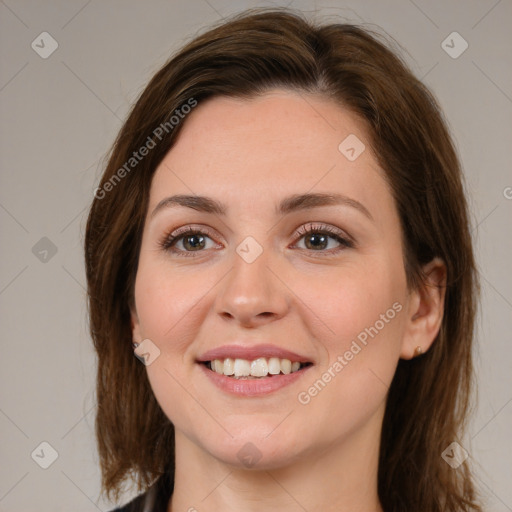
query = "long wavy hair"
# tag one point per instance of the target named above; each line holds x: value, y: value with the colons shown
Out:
x: 429, y: 398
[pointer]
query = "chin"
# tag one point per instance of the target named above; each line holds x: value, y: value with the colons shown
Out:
x: 252, y: 447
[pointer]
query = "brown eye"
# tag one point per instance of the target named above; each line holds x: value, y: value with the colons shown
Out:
x: 316, y: 241
x: 316, y: 238
x: 186, y: 241
x: 193, y: 242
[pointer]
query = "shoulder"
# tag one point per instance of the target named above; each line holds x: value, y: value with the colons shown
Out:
x: 155, y: 499
x: 138, y: 504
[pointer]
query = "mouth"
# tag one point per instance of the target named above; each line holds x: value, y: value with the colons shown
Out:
x: 249, y: 371
x: 259, y: 368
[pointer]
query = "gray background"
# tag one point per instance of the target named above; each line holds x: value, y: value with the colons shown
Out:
x: 59, y: 116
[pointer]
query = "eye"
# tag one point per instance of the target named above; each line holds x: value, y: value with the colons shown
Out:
x: 316, y: 238
x: 190, y: 239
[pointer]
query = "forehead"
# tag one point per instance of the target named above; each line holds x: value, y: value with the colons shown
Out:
x: 263, y: 148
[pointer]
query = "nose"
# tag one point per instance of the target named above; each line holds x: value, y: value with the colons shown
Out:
x: 252, y: 294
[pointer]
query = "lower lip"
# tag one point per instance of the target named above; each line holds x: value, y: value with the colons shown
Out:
x: 252, y: 387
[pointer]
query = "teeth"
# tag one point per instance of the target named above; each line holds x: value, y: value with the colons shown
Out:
x: 218, y: 366
x: 261, y: 367
x: 228, y: 366
x: 242, y: 368
x: 286, y: 366
x: 274, y: 366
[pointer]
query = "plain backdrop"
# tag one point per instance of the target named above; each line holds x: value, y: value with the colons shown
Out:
x: 59, y: 116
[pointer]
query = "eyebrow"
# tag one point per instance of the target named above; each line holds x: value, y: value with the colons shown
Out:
x: 288, y: 205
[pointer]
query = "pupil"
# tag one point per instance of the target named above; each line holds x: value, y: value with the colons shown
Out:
x: 322, y: 239
x: 194, y: 245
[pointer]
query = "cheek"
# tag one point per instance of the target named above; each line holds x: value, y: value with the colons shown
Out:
x: 167, y: 304
x: 354, y: 300
x: 168, y: 309
x: 362, y: 321
x: 362, y: 310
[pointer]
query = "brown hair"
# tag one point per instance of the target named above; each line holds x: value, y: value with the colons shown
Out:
x: 429, y: 398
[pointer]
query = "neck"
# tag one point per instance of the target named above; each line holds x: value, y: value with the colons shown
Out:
x: 341, y: 478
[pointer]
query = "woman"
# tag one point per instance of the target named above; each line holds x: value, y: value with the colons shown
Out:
x: 281, y: 240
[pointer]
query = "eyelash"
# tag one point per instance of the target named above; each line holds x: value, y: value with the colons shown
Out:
x: 169, y: 240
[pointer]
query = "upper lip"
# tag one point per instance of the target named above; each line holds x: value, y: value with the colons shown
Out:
x: 251, y: 353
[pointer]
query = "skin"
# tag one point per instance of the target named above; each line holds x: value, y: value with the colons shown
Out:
x: 250, y: 154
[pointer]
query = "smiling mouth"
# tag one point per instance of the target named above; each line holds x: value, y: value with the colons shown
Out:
x: 259, y: 368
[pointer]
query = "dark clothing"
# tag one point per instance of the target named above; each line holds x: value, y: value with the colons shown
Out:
x: 155, y: 499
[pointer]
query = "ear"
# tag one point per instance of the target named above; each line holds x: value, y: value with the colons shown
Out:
x: 135, y: 325
x: 425, y: 310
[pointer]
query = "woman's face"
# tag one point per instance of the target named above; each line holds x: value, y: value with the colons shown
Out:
x: 251, y: 283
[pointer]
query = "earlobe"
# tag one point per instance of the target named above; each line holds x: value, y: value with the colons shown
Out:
x: 425, y: 312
